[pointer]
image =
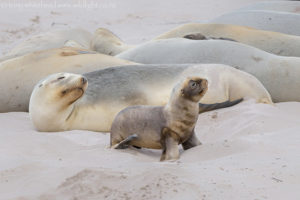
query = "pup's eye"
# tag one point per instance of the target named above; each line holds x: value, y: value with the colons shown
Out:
x: 194, y: 85
x: 59, y: 78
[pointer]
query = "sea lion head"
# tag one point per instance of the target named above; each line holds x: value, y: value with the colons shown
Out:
x: 53, y: 98
x: 194, y: 88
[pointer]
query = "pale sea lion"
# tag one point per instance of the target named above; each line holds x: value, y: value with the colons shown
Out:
x: 113, y: 89
x: 19, y: 75
x: 282, y: 22
x: 162, y: 127
x: 281, y: 6
x: 277, y: 73
x: 104, y: 41
x: 272, y: 42
x: 49, y: 40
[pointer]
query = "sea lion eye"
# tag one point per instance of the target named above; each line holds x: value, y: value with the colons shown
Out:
x: 59, y: 78
x: 194, y: 84
x: 64, y: 92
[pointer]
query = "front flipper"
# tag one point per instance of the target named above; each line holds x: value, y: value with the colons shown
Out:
x: 191, y: 142
x: 125, y: 143
x: 169, y: 141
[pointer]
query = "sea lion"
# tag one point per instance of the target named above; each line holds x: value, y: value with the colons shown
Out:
x: 282, y: 22
x: 113, y: 89
x: 162, y: 127
x: 275, y: 72
x: 19, y: 75
x: 106, y: 42
x: 272, y: 42
x: 49, y: 40
x: 280, y: 6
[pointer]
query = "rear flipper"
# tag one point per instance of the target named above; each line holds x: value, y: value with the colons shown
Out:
x: 208, y: 107
x: 125, y: 143
x: 191, y: 142
x: 199, y: 36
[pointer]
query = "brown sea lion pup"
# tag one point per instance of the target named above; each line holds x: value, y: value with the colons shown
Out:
x: 162, y: 127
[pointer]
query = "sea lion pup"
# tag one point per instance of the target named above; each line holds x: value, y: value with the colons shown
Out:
x: 162, y: 127
x: 282, y: 22
x: 18, y: 76
x: 49, y: 40
x: 104, y: 41
x: 281, y: 6
x: 275, y: 72
x: 113, y: 89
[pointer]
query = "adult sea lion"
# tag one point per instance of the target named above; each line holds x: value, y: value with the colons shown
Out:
x: 277, y: 73
x: 53, y: 107
x: 49, y: 40
x: 282, y: 22
x: 162, y: 127
x: 19, y: 75
x: 272, y: 42
x: 280, y: 6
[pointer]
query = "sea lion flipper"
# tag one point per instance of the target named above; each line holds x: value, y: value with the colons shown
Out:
x: 191, y: 142
x: 125, y: 143
x: 169, y: 141
x: 208, y: 107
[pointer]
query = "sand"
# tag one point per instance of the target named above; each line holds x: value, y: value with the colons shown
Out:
x: 249, y: 151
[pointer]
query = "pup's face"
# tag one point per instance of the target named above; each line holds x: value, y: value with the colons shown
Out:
x: 194, y: 89
x: 61, y: 89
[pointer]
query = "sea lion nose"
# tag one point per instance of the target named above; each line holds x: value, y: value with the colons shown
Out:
x: 83, y: 80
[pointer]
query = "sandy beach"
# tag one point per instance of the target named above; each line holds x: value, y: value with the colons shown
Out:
x: 249, y: 151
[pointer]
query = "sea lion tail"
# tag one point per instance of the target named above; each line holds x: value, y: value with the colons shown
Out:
x: 208, y: 107
x: 125, y: 143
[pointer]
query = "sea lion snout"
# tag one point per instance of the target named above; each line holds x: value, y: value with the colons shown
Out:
x: 194, y: 88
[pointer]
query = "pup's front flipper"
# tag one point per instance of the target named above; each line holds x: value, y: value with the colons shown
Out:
x: 125, y: 143
x: 169, y: 141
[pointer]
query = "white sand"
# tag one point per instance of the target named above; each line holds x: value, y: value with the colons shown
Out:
x: 249, y: 151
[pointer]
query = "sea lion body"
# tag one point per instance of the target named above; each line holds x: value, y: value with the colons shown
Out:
x: 279, y: 6
x: 18, y: 76
x: 272, y: 42
x: 157, y: 126
x: 49, y: 40
x: 275, y: 72
x: 282, y: 22
x: 113, y: 89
